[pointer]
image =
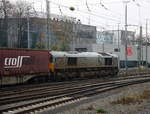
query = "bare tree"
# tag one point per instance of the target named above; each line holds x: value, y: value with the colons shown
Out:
x: 5, y: 11
x: 18, y: 11
x: 21, y: 12
x: 23, y: 9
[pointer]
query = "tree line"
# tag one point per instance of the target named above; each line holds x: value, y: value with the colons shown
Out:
x: 18, y: 10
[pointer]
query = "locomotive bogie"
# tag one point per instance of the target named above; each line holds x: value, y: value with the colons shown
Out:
x: 9, y: 80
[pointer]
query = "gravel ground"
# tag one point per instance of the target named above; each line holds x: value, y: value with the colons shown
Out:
x: 103, y: 102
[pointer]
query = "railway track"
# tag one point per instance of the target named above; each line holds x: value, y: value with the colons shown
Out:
x: 12, y: 95
x: 45, y: 87
x: 122, y: 74
x: 39, y: 101
x: 54, y: 85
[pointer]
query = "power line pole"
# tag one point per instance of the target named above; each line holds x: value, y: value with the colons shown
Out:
x: 28, y: 28
x: 140, y: 46
x: 48, y: 23
x: 118, y: 46
x: 126, y: 59
x: 146, y: 41
x: 118, y: 37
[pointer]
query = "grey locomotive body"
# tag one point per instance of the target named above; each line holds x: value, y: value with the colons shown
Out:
x: 84, y: 64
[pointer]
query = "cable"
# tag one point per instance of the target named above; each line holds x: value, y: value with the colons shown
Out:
x: 59, y: 5
x: 87, y: 6
x: 88, y: 12
x: 103, y: 5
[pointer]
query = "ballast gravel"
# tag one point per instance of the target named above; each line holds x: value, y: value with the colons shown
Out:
x: 102, y: 103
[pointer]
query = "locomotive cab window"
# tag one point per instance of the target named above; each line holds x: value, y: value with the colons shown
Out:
x: 72, y: 61
x: 108, y: 61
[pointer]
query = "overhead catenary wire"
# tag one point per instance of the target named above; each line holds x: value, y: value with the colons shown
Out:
x: 85, y: 12
x: 136, y: 3
x: 117, y: 13
x: 100, y: 16
x: 103, y: 5
x: 88, y: 6
x: 89, y: 13
x: 98, y: 22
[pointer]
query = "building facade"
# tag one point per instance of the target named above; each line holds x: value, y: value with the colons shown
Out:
x: 115, y: 37
x: 84, y: 37
x: 63, y: 34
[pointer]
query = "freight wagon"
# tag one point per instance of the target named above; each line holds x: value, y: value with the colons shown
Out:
x: 20, y: 65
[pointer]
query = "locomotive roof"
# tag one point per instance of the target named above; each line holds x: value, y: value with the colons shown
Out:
x: 80, y: 54
x: 75, y: 54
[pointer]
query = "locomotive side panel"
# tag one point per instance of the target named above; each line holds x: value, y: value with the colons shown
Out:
x: 115, y: 62
x: 88, y: 62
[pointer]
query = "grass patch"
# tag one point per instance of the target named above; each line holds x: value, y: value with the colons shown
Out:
x: 133, y: 99
x: 100, y: 110
x: 90, y: 107
x: 146, y: 94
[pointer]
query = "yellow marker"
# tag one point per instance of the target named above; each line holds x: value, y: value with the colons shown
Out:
x: 51, y: 67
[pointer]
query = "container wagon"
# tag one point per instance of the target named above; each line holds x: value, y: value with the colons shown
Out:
x: 20, y: 65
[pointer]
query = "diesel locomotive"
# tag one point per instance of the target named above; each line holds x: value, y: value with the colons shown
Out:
x: 26, y: 65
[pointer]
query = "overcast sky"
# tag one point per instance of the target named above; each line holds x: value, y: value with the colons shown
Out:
x: 101, y: 13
